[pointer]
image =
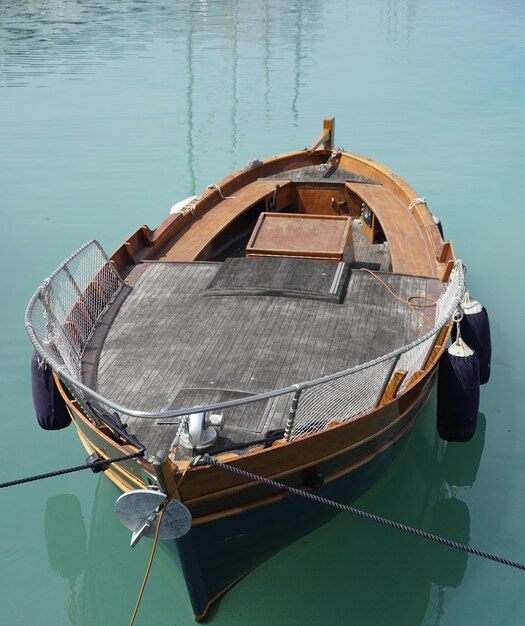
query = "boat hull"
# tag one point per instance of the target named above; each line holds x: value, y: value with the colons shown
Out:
x: 216, y: 554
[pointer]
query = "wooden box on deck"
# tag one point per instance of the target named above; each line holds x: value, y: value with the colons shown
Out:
x: 326, y: 237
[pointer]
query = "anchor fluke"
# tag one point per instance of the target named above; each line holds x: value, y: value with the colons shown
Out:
x: 138, y: 511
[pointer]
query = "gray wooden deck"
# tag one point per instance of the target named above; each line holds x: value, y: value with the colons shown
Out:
x: 364, y: 252
x: 172, y: 345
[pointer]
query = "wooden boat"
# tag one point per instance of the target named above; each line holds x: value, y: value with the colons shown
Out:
x: 288, y: 321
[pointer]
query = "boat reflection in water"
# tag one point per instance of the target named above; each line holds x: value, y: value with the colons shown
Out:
x: 348, y: 567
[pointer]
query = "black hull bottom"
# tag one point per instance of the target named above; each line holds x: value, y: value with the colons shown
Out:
x: 217, y: 554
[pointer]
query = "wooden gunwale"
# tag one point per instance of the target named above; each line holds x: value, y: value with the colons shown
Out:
x: 193, y: 240
x: 117, y: 477
x: 306, y: 451
x: 314, y: 448
x: 256, y: 503
x: 282, y: 475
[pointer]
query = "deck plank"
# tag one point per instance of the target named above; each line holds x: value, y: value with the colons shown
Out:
x: 364, y: 252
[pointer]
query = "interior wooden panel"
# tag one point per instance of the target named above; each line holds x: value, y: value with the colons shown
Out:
x: 318, y: 200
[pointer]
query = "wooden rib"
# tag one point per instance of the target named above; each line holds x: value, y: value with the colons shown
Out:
x: 447, y: 271
x: 442, y: 337
x: 444, y: 255
x: 129, y: 251
x: 393, y: 386
x: 146, y: 234
x: 415, y: 377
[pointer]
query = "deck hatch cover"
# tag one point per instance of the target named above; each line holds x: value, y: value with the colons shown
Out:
x: 288, y: 277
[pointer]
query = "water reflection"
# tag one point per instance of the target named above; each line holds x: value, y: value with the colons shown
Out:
x: 461, y: 462
x: 451, y: 517
x: 72, y: 36
x: 65, y: 534
x: 103, y: 573
x: 382, y: 576
x: 66, y: 543
x: 229, y: 63
x: 400, y: 18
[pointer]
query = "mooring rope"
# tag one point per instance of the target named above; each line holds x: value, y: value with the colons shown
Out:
x: 416, y: 201
x: 70, y: 470
x: 148, y: 568
x: 206, y: 459
x: 220, y: 192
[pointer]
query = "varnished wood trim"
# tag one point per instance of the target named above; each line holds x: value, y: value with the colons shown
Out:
x: 447, y: 271
x: 330, y: 478
x: 296, y: 468
x: 438, y: 346
x: 415, y: 377
x: 116, y: 448
x: 393, y: 386
x: 116, y: 477
x: 444, y: 255
x: 164, y: 233
x: 326, y: 137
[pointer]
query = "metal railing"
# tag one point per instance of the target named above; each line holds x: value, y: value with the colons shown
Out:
x: 64, y: 312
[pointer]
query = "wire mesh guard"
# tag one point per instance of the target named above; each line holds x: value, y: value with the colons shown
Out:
x: 361, y: 389
x: 63, y: 313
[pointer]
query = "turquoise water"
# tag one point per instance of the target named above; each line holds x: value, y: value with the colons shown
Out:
x: 111, y: 112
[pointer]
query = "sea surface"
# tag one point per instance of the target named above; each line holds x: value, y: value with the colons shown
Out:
x: 112, y: 111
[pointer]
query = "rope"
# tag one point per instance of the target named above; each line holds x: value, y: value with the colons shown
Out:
x: 70, y: 470
x: 266, y: 442
x: 220, y: 192
x: 421, y: 305
x: 407, y: 302
x: 363, y: 514
x: 416, y: 201
x: 145, y: 580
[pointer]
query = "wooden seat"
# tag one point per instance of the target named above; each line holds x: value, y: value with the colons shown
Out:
x: 195, y: 238
x: 409, y: 250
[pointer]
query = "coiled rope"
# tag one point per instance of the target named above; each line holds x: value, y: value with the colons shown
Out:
x: 206, y: 459
x: 412, y: 305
